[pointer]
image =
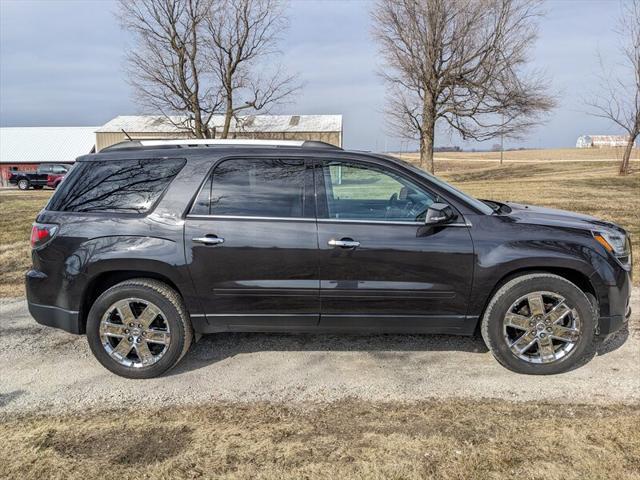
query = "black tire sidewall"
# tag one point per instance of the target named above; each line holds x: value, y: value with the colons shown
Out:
x: 173, y: 318
x: 573, y: 296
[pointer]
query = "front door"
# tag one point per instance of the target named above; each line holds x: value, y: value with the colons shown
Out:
x: 251, y: 244
x: 380, y: 268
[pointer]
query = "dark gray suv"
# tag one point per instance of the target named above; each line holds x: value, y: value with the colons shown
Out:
x: 148, y: 243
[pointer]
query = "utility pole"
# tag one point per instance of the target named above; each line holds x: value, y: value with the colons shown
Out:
x: 502, y: 141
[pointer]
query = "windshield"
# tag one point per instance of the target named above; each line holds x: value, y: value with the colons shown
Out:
x: 474, y: 202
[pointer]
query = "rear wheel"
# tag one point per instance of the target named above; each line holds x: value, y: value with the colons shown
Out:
x: 23, y: 184
x: 539, y: 324
x: 139, y: 328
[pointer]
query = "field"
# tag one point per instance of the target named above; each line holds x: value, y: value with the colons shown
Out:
x: 557, y: 180
x: 348, y: 439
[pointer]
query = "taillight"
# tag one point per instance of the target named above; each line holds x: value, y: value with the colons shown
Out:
x: 42, y: 233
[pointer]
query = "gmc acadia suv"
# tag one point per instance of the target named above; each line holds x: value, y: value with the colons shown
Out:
x: 149, y: 243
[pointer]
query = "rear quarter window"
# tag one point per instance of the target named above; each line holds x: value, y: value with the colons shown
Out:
x: 122, y: 186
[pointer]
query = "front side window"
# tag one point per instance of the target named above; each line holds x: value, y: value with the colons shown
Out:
x: 121, y: 186
x: 254, y: 188
x: 362, y: 192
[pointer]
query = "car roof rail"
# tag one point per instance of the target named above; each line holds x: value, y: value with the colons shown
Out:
x: 213, y: 142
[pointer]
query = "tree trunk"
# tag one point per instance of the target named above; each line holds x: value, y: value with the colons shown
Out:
x: 227, y: 117
x: 197, y: 126
x: 624, y: 165
x: 427, y: 134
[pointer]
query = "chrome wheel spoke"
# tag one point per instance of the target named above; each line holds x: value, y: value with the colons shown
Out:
x: 145, y: 355
x: 524, y: 342
x: 123, y: 348
x: 565, y: 334
x: 536, y: 303
x: 113, y: 329
x: 517, y: 321
x: 148, y: 315
x: 157, y: 336
x: 558, y: 312
x: 546, y: 348
x: 126, y: 315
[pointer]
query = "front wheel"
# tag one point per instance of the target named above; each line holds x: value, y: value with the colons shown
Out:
x: 139, y: 328
x: 539, y: 324
x: 23, y: 184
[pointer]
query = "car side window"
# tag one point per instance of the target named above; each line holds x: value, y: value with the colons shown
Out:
x: 254, y: 188
x: 356, y: 191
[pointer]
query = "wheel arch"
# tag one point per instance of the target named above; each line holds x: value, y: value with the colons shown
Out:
x: 578, y: 278
x: 105, y: 280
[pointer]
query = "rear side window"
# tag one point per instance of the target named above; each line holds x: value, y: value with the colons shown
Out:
x: 255, y: 188
x: 125, y: 186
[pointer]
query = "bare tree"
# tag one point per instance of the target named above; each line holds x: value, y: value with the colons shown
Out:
x: 168, y: 67
x: 459, y: 62
x: 619, y: 101
x: 244, y: 36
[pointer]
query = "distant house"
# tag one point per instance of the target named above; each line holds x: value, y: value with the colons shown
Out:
x: 325, y: 128
x: 24, y: 148
x: 602, y: 141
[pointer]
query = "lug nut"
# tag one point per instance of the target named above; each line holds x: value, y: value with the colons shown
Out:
x: 542, y: 335
x: 126, y: 330
x: 138, y: 340
x: 549, y: 329
x: 131, y: 325
x: 139, y: 325
x: 130, y: 339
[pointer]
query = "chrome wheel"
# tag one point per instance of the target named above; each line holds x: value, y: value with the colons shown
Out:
x: 135, y: 332
x: 541, y: 327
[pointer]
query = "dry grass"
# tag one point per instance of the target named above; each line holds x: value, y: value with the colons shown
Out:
x: 555, y: 154
x: 348, y: 439
x: 18, y: 210
x: 587, y: 187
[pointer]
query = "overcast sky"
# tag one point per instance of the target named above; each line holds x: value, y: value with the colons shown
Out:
x: 61, y: 63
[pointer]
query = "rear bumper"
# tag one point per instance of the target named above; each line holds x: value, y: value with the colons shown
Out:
x: 56, y: 317
x: 43, y: 312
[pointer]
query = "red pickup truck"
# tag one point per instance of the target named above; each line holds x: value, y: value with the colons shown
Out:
x: 49, y: 175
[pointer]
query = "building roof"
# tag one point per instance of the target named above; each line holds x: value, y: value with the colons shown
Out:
x: 249, y: 123
x: 45, y: 144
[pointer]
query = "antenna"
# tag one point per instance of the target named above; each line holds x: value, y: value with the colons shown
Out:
x: 126, y: 134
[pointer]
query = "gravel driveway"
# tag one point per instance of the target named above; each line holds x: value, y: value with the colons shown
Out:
x: 43, y: 368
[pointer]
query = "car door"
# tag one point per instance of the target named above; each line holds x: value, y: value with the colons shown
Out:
x: 381, y: 268
x: 251, y: 241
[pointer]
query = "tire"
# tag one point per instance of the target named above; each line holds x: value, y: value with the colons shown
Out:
x: 516, y: 297
x: 23, y: 184
x: 172, y: 319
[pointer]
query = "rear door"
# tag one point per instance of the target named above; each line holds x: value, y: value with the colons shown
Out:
x: 251, y: 241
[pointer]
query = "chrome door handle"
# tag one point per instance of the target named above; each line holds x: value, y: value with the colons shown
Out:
x: 208, y: 240
x: 343, y: 243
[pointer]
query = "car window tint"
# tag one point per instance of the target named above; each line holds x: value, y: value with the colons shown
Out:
x: 362, y: 192
x: 129, y: 186
x: 258, y: 188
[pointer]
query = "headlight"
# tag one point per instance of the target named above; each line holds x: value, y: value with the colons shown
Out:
x: 617, y: 243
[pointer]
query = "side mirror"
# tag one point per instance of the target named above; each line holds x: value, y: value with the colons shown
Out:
x: 439, y: 213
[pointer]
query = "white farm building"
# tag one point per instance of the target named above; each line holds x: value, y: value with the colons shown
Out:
x: 325, y: 128
x: 602, y: 141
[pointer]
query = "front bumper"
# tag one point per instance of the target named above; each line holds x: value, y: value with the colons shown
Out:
x: 617, y: 308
